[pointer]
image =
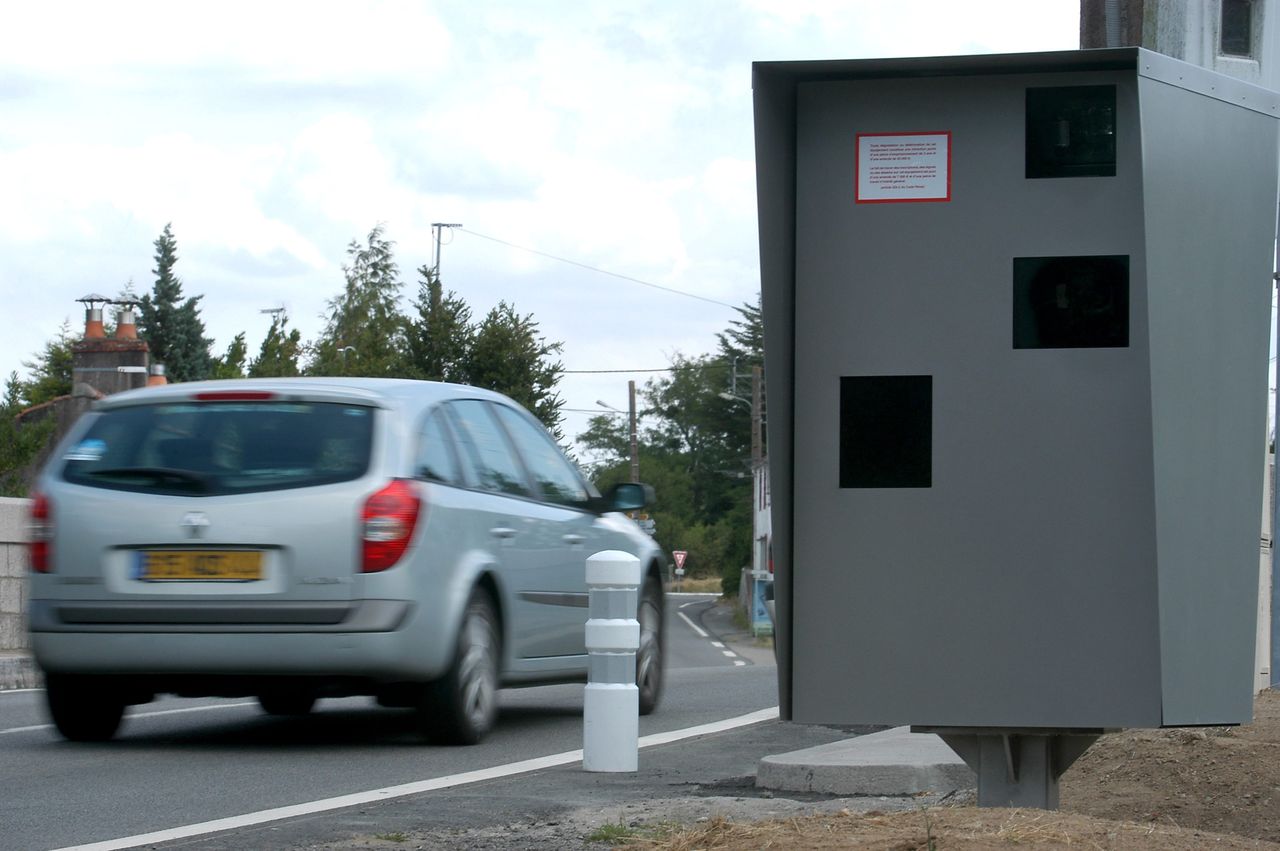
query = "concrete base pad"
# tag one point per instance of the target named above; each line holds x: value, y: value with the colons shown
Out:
x: 891, y: 762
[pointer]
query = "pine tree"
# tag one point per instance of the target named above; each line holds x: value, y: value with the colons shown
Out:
x: 365, y: 331
x: 278, y: 357
x: 231, y: 365
x: 439, y: 340
x: 510, y: 356
x: 171, y: 326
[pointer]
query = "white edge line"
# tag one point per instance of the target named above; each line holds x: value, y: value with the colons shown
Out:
x: 701, y: 633
x: 160, y: 712
x: 5, y: 691
x: 390, y: 792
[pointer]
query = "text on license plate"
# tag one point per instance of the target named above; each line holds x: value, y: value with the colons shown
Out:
x: 198, y: 565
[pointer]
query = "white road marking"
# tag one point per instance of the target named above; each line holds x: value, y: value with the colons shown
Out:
x: 739, y: 663
x: 692, y: 625
x: 729, y: 653
x: 139, y: 715
x: 405, y: 789
x: 717, y: 644
x: 3, y: 692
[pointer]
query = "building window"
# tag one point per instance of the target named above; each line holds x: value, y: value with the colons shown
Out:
x: 1235, y: 31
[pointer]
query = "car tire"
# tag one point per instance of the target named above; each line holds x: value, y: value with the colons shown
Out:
x: 295, y: 703
x: 460, y: 707
x: 82, y: 709
x: 649, y: 655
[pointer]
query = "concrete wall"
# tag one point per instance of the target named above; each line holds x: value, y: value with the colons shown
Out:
x: 13, y: 574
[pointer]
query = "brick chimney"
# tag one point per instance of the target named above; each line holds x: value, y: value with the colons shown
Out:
x: 106, y: 365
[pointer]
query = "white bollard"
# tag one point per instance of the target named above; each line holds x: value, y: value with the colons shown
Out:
x: 611, y: 705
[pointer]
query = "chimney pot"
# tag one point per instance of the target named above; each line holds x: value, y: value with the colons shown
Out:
x: 157, y: 377
x: 126, y: 325
x: 93, y: 315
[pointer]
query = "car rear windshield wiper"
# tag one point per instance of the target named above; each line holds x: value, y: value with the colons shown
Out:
x: 157, y: 474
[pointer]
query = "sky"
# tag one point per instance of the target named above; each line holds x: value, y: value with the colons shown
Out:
x: 271, y: 134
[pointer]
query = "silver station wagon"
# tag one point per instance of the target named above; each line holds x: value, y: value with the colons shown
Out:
x: 290, y: 539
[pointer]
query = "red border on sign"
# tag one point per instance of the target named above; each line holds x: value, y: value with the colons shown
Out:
x: 857, y: 153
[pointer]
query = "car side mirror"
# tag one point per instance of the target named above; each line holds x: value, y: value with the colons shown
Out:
x: 628, y: 496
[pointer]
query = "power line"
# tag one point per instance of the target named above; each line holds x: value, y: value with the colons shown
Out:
x: 603, y: 371
x: 597, y: 269
x: 712, y: 365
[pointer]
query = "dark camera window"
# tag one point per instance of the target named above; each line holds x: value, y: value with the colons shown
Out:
x: 886, y: 431
x: 1236, y: 37
x: 1070, y: 302
x: 1071, y: 131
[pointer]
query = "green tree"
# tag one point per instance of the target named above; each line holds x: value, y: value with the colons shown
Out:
x: 278, y: 357
x: 171, y: 325
x: 694, y: 448
x: 440, y: 338
x: 231, y: 365
x: 20, y: 445
x: 50, y: 371
x: 365, y: 331
x: 509, y: 355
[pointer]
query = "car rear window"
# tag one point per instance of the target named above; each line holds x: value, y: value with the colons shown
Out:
x: 215, y: 448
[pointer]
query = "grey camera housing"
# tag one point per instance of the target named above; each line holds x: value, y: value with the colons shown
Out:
x: 1017, y: 420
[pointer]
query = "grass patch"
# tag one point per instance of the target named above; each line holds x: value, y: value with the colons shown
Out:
x: 613, y: 833
x: 699, y: 585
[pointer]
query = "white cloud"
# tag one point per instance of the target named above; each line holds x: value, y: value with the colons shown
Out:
x: 272, y: 133
x: 288, y: 39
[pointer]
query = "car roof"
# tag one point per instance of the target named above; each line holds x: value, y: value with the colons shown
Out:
x: 396, y: 393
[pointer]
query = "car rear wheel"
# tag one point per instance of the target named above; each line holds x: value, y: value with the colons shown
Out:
x: 461, y: 706
x: 649, y: 654
x: 287, y: 702
x: 83, y: 709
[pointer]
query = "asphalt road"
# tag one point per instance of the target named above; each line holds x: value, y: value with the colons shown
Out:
x: 180, y: 763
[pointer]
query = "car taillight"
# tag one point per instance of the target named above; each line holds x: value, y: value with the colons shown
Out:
x: 388, y: 521
x: 40, y: 532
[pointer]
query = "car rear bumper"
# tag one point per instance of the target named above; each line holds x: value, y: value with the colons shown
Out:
x: 416, y: 649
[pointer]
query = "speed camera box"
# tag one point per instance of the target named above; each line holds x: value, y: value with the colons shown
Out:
x: 1017, y: 313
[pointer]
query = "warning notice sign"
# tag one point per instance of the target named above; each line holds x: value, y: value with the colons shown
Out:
x: 897, y: 167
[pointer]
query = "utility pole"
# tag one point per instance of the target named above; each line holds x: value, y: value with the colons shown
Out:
x: 757, y: 456
x: 437, y: 232
x: 757, y: 419
x: 635, y: 449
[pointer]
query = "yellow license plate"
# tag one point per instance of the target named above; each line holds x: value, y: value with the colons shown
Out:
x: 199, y: 566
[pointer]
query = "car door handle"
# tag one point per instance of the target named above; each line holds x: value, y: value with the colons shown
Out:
x: 573, y: 540
x: 503, y: 532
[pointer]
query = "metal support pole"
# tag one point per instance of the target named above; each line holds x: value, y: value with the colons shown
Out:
x: 611, y: 704
x: 1016, y: 767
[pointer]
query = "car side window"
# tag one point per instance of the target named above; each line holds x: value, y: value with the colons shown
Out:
x: 436, y: 460
x: 558, y: 479
x: 483, y: 442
